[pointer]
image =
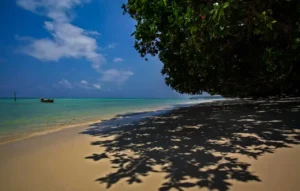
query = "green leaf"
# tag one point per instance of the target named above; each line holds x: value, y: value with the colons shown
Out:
x: 193, y: 29
x: 221, y: 13
x: 274, y: 22
x: 215, y: 15
x: 225, y: 5
x: 165, y: 2
x: 269, y: 25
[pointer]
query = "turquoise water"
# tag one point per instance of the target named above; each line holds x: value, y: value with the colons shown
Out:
x: 27, y: 116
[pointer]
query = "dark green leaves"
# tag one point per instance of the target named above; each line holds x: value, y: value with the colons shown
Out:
x: 234, y: 47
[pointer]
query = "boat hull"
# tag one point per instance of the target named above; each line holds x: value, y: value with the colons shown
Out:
x: 47, y: 100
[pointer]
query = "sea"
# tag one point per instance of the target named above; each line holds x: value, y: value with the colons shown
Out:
x: 29, y: 117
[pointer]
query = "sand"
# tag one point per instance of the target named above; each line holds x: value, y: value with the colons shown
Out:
x: 233, y: 145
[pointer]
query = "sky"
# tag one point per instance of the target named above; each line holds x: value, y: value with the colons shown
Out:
x: 74, y: 48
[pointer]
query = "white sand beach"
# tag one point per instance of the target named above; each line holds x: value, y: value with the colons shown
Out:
x: 226, y: 145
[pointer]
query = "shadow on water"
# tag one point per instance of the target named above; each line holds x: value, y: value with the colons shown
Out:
x: 196, y: 147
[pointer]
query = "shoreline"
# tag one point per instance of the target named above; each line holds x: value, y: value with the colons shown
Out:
x: 44, y: 133
x: 53, y: 129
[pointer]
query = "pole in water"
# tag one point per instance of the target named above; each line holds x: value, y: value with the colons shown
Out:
x: 15, y: 96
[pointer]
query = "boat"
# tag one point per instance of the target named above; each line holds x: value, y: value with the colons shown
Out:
x: 47, y: 100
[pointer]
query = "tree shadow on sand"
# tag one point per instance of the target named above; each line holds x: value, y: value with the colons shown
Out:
x: 195, y: 146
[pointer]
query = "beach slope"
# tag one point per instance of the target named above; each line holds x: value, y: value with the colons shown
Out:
x: 224, y: 145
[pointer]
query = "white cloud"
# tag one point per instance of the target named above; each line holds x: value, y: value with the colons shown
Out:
x: 65, y: 84
x: 58, y: 10
x: 113, y: 45
x: 113, y: 75
x: 97, y: 86
x: 68, y: 40
x: 118, y: 60
x: 94, y: 33
x: 84, y: 82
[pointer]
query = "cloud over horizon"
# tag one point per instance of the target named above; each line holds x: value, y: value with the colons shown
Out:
x: 64, y: 83
x: 115, y: 76
x: 97, y: 86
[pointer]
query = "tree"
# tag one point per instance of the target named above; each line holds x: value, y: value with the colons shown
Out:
x: 229, y: 47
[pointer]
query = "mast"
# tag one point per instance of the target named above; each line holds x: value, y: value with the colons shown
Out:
x: 15, y: 96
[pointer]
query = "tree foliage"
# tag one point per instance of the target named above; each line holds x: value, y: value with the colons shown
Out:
x: 228, y: 47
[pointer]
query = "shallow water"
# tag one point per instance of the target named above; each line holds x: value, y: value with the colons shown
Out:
x: 26, y: 117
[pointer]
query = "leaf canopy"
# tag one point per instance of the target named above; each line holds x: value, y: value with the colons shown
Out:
x: 235, y: 48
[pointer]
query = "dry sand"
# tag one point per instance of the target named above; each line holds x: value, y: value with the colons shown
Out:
x: 236, y: 145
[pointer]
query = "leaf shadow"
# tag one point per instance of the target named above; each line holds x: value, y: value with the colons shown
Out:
x: 197, y: 146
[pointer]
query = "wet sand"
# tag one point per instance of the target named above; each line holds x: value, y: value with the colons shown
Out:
x: 230, y: 145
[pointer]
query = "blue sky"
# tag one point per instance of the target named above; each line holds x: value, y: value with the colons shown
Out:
x: 73, y: 48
